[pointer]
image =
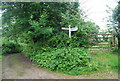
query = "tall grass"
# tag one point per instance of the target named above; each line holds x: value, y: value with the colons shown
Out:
x: 105, y: 61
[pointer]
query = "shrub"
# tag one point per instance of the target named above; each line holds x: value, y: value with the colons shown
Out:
x: 10, y: 47
x: 63, y: 60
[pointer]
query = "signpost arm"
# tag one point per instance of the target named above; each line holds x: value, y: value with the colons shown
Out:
x: 70, y: 30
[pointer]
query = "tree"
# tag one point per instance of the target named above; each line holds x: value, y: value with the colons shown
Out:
x: 33, y: 19
x: 116, y: 17
x: 40, y: 23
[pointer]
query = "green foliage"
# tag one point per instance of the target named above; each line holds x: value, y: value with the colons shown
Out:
x: 10, y: 47
x: 116, y: 21
x: 37, y: 27
x: 41, y: 23
x: 73, y: 61
x: 116, y: 13
x: 63, y: 60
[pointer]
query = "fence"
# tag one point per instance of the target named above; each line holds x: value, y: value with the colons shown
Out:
x: 103, y: 41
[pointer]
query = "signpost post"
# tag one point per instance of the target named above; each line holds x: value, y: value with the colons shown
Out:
x: 70, y: 30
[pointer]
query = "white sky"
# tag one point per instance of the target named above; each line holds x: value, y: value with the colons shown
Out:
x: 96, y: 10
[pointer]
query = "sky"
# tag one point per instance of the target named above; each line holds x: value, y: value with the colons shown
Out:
x: 96, y: 10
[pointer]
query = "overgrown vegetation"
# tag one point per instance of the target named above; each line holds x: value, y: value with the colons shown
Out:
x: 9, y: 47
x: 67, y: 60
x: 39, y: 24
x: 36, y: 29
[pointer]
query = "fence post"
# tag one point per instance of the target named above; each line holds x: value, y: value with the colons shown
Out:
x: 112, y: 39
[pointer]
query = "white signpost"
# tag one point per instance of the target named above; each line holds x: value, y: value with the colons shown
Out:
x: 70, y: 30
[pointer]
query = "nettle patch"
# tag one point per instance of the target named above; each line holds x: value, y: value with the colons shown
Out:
x: 72, y: 61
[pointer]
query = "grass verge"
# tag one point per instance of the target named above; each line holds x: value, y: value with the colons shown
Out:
x: 105, y: 61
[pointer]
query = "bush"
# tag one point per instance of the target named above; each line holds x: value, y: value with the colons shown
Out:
x: 10, y: 47
x: 73, y: 61
x: 65, y: 60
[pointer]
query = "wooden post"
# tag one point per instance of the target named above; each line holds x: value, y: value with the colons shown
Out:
x: 113, y: 43
x: 69, y: 32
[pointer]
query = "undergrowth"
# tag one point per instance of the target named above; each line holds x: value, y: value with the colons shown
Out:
x: 73, y: 61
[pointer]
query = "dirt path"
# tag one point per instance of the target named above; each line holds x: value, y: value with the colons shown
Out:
x: 16, y: 66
